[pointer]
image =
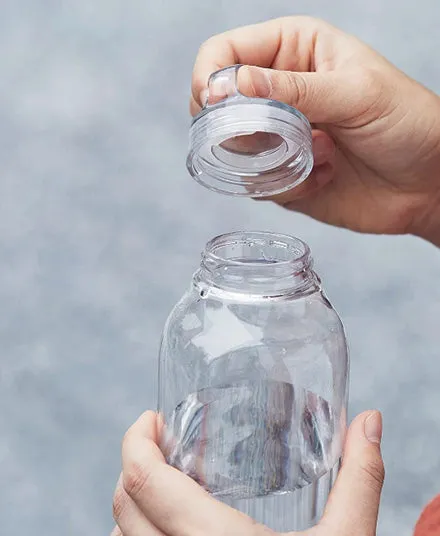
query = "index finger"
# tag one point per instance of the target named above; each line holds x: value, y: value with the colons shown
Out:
x: 170, y: 500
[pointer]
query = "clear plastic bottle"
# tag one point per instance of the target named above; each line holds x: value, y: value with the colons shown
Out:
x: 253, y: 380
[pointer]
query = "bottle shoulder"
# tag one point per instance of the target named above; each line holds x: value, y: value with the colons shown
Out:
x: 306, y: 317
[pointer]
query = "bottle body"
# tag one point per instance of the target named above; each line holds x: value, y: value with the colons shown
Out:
x: 253, y: 381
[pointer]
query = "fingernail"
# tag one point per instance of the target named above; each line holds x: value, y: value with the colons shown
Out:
x: 373, y: 427
x: 323, y: 174
x: 203, y: 96
x: 323, y: 148
x: 255, y: 82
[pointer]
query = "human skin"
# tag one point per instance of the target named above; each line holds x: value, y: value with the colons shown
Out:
x: 155, y: 499
x: 376, y: 131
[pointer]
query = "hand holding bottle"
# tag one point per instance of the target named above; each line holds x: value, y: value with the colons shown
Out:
x: 154, y: 499
x: 376, y: 131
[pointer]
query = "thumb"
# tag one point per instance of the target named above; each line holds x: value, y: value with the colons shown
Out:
x: 323, y: 97
x: 354, y: 501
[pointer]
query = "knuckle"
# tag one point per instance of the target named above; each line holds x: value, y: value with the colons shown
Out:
x: 135, y: 478
x: 303, y: 19
x: 305, y: 22
x: 119, y: 502
x: 374, y: 86
x: 371, y: 80
x: 199, y: 78
x: 374, y: 473
x: 298, y: 87
x: 208, y: 46
x: 377, y: 93
x: 127, y: 437
x: 202, y: 48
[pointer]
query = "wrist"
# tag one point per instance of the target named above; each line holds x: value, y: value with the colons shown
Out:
x: 433, y: 237
x: 427, y: 227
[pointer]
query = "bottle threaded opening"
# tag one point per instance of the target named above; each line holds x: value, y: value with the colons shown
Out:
x: 257, y: 247
x: 257, y: 261
x: 250, y: 148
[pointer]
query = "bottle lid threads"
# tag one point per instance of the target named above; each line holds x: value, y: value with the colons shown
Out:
x: 245, y: 146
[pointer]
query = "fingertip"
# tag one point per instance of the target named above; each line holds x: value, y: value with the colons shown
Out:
x: 322, y: 174
x: 297, y: 199
x: 354, y: 500
x: 373, y: 427
x: 324, y: 148
x: 364, y: 433
x: 199, y: 83
x: 203, y: 97
x: 367, y: 425
x: 360, y: 419
x: 194, y: 106
x: 145, y: 427
x: 254, y: 82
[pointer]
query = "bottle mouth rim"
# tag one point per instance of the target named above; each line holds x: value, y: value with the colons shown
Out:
x: 280, y: 251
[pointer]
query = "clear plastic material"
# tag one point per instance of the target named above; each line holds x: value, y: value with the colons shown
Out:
x: 246, y: 146
x: 253, y: 380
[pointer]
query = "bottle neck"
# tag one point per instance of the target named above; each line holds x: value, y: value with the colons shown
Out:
x: 257, y: 263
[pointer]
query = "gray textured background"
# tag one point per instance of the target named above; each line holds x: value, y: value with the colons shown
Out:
x: 101, y: 228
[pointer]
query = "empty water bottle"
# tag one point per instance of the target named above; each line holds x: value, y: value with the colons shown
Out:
x: 253, y: 380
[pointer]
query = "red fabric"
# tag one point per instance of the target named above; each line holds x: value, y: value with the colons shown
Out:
x: 429, y: 522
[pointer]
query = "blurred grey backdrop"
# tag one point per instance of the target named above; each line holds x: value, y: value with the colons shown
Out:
x: 101, y: 228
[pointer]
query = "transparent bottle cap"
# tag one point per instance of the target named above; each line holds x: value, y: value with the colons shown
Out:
x: 245, y: 146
